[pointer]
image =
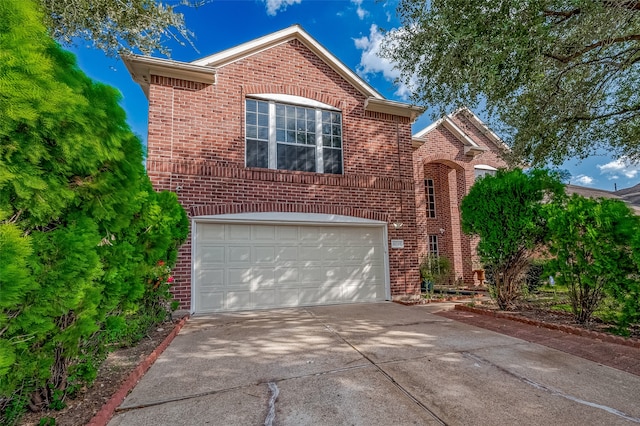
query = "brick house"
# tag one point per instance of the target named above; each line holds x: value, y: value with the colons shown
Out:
x: 448, y: 156
x: 298, y: 176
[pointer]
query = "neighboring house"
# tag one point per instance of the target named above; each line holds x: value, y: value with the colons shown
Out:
x: 296, y: 174
x: 631, y: 195
x: 449, y: 155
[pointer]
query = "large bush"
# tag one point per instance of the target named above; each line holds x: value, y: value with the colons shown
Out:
x: 81, y: 229
x: 591, y: 247
x: 508, y: 212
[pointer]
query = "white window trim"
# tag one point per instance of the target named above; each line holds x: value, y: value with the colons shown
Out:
x: 292, y: 100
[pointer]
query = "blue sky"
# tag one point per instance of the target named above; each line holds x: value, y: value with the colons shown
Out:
x: 350, y: 29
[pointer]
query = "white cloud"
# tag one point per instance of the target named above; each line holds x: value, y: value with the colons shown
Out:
x: 583, y: 180
x: 273, y: 6
x: 360, y: 11
x: 372, y: 63
x: 618, y: 167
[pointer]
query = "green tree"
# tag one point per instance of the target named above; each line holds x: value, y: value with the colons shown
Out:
x: 508, y: 212
x: 591, y: 251
x: 81, y: 229
x: 117, y: 26
x: 560, y: 76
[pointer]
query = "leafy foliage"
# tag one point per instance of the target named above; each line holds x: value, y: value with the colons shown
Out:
x: 560, y: 75
x: 508, y: 212
x: 81, y: 228
x: 116, y: 26
x: 591, y: 250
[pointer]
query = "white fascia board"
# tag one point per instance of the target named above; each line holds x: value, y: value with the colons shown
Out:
x: 291, y: 99
x: 142, y: 67
x: 394, y: 108
x: 481, y: 126
x: 459, y: 133
x: 427, y: 129
x: 293, y: 32
x: 284, y: 218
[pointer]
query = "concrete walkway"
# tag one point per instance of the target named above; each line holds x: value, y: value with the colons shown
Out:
x: 370, y: 364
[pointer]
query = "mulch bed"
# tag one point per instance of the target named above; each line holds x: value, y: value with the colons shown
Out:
x: 121, y: 366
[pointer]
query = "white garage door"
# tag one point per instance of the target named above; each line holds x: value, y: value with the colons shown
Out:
x: 241, y: 266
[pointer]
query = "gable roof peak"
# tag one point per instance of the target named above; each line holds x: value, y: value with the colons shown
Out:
x: 285, y: 35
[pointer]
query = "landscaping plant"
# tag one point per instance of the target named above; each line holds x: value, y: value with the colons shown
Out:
x: 81, y: 228
x: 591, y: 248
x: 508, y: 212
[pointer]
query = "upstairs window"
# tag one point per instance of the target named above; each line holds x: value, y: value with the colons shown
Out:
x: 430, y: 193
x: 291, y: 137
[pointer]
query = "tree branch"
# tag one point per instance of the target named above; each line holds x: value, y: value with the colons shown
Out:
x: 566, y: 59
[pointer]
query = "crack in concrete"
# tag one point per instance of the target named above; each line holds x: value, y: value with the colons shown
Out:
x: 217, y: 391
x: 271, y: 415
x: 550, y: 390
x: 384, y: 373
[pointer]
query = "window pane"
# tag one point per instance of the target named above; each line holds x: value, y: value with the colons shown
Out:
x: 263, y: 133
x: 279, y: 110
x: 291, y: 136
x: 295, y: 157
x: 257, y: 153
x: 263, y: 120
x: 252, y: 132
x: 332, y: 159
x: 251, y: 105
x: 291, y: 123
x: 280, y: 135
x: 337, y: 142
x: 263, y: 107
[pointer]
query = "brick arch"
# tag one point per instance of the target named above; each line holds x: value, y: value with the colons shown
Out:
x: 285, y: 89
x: 218, y: 209
x: 446, y: 159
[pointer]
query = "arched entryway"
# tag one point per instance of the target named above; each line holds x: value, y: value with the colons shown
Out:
x: 439, y: 194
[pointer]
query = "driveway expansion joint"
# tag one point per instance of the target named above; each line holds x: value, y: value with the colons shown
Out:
x: 383, y: 372
x: 550, y: 390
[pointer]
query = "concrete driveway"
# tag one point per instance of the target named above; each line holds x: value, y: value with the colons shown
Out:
x: 370, y: 364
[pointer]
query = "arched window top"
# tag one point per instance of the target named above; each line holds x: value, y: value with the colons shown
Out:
x: 293, y: 100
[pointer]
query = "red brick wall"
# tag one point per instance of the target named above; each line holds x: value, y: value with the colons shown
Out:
x: 196, y: 148
x: 442, y: 158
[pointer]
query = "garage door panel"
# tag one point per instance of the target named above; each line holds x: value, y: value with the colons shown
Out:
x: 211, y: 254
x: 307, y: 253
x: 237, y: 300
x: 287, y: 233
x: 239, y: 254
x: 264, y: 254
x: 212, y: 232
x: 248, y: 266
x: 210, y: 301
x: 262, y: 278
x: 263, y: 232
x: 265, y: 298
x: 288, y: 297
x: 211, y: 277
x: 239, y: 278
x: 238, y: 232
x: 286, y: 254
x: 286, y: 275
x: 317, y: 296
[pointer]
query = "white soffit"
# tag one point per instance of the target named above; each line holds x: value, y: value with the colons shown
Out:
x: 293, y: 32
x: 394, y: 108
x: 142, y: 67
